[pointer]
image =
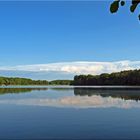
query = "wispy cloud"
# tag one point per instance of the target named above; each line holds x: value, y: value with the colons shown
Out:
x: 78, y: 67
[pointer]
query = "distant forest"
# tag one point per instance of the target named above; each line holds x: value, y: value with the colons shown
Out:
x: 21, y: 81
x: 24, y: 81
x: 130, y: 77
x: 61, y: 82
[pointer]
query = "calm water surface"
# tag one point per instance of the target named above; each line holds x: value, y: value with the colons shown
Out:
x: 69, y: 113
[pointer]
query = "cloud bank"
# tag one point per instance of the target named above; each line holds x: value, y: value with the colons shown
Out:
x: 72, y: 68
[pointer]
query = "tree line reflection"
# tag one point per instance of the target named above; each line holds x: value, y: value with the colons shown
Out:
x: 19, y: 90
x: 126, y: 94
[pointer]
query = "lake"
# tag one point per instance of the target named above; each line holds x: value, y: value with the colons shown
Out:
x: 64, y: 112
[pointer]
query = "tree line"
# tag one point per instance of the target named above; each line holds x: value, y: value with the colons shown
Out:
x: 25, y: 81
x: 21, y: 81
x: 60, y: 82
x: 130, y: 77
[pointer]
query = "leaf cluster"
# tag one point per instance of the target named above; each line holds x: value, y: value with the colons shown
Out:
x: 117, y: 3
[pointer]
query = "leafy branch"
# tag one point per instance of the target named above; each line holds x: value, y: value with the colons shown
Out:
x: 117, y: 3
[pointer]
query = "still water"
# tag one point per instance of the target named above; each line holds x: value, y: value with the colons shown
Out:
x: 69, y: 113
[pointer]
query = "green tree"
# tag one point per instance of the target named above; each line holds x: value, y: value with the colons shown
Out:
x: 130, y: 77
x: 21, y: 81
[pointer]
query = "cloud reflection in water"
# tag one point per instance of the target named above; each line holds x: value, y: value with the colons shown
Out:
x: 94, y: 101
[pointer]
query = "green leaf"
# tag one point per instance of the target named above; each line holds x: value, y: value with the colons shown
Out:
x: 133, y: 7
x: 114, y: 6
x: 122, y: 3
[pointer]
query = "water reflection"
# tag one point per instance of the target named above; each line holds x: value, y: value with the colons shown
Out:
x: 126, y: 94
x: 78, y: 97
x: 18, y: 90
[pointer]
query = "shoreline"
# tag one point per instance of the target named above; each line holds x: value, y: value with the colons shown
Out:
x: 104, y: 87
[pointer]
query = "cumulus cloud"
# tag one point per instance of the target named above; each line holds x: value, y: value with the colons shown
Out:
x: 82, y: 102
x: 78, y: 67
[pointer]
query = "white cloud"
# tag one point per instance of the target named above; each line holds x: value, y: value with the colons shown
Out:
x: 78, y: 67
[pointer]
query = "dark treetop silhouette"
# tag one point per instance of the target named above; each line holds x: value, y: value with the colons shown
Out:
x: 130, y: 77
x: 115, y: 5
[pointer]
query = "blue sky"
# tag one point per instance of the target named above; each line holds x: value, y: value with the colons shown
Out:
x: 61, y: 31
x: 42, y: 32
